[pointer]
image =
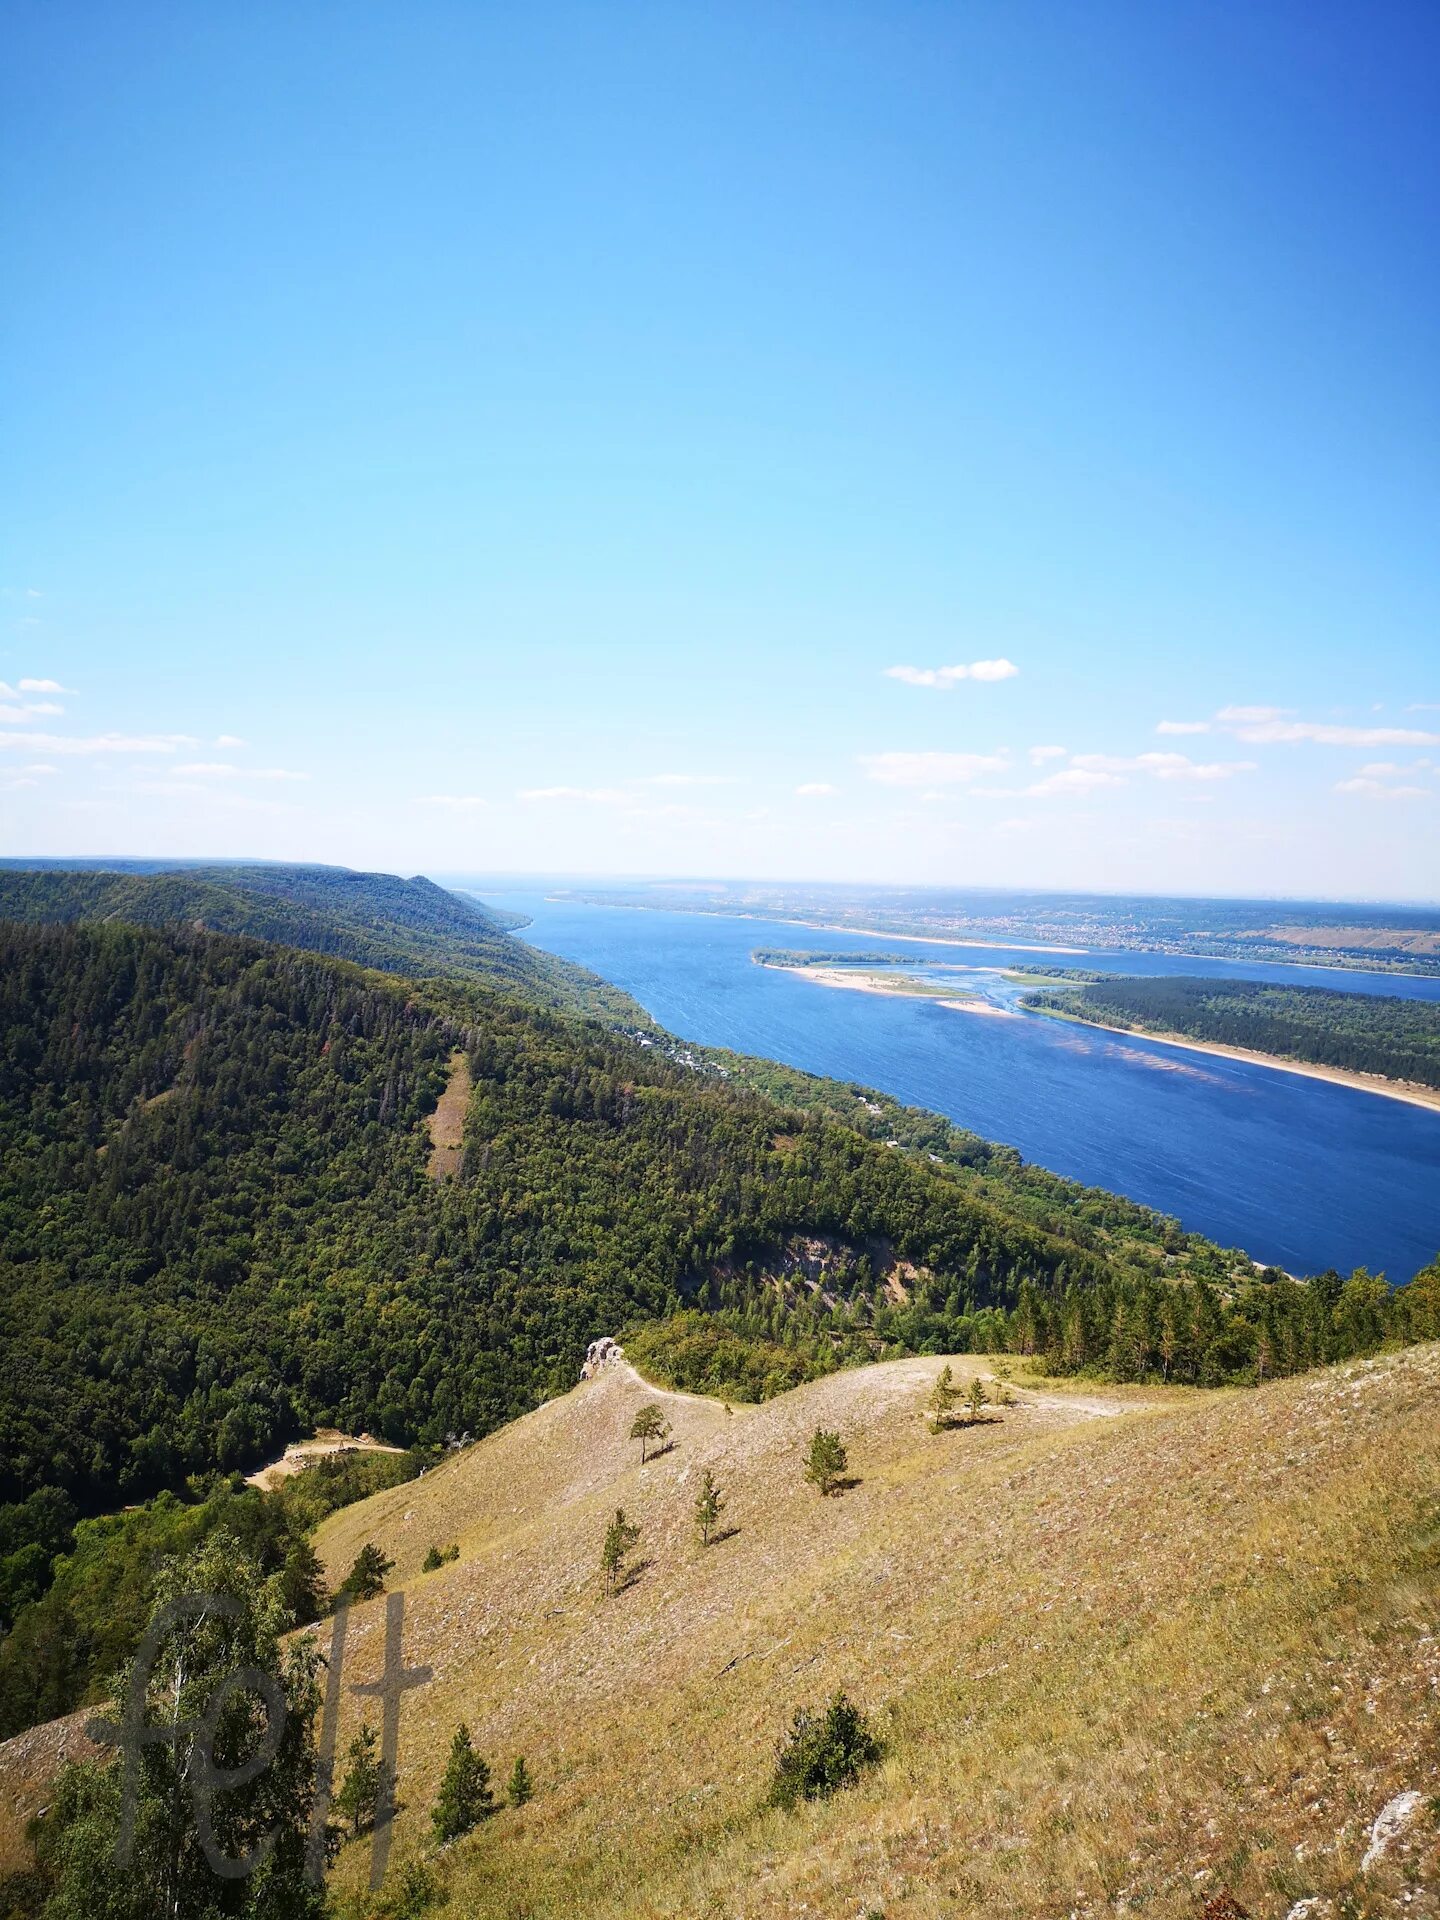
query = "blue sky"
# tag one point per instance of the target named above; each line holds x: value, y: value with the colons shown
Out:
x: 535, y: 433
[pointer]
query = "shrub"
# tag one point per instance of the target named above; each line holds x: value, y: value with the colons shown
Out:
x: 823, y: 1752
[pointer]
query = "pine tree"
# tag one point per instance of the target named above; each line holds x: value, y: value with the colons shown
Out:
x: 620, y: 1537
x: 975, y: 1399
x: 521, y: 1787
x: 825, y: 1460
x: 943, y: 1396
x: 366, y: 1578
x: 709, y: 1505
x: 302, y: 1584
x: 464, y: 1799
x: 365, y: 1776
x: 649, y: 1425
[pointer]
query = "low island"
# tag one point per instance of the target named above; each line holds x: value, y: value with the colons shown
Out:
x: 881, y: 973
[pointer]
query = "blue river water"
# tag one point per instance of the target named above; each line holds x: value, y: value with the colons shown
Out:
x: 1301, y: 1173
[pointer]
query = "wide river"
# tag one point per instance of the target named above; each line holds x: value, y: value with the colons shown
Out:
x: 1302, y: 1173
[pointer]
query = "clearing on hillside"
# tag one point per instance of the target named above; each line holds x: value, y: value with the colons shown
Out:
x: 447, y: 1123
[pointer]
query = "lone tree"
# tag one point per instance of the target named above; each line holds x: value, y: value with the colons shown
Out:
x: 975, y: 1399
x: 620, y: 1537
x: 825, y: 1460
x: 649, y: 1425
x: 823, y: 1752
x: 365, y: 1776
x: 709, y: 1505
x: 367, y: 1577
x: 464, y: 1799
x: 521, y: 1787
x: 943, y: 1396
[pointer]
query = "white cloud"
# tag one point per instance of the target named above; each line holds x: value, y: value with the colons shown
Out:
x: 1423, y: 706
x: 1183, y: 726
x: 39, y: 767
x: 947, y: 677
x: 14, y: 784
x: 816, y: 790
x: 229, y: 740
x: 1039, y: 755
x: 456, y: 802
x: 44, y: 686
x: 99, y: 742
x: 930, y: 769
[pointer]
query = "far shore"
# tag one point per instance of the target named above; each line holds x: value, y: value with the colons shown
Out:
x: 1406, y: 1090
x: 938, y: 939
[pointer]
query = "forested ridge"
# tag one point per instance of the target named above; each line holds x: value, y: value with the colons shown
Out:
x: 1359, y: 1032
x: 411, y: 927
x: 218, y: 1230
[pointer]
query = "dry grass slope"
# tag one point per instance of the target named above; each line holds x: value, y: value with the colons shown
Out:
x: 1125, y: 1651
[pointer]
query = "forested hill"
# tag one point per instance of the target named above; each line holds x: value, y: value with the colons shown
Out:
x: 1360, y: 1032
x: 411, y: 927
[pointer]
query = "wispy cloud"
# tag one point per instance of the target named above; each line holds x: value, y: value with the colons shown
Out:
x: 1039, y: 755
x: 1277, y: 726
x: 1183, y: 726
x: 595, y: 796
x: 944, y: 678
x: 229, y: 740
x: 43, y: 686
x: 1322, y: 734
x: 1075, y: 779
x: 222, y: 770
x: 97, y: 743
x: 816, y: 790
x: 1370, y: 789
x: 1163, y: 766
x: 455, y: 802
x: 931, y: 769
x: 684, y: 780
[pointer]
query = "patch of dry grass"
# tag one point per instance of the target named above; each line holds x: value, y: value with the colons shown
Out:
x: 446, y: 1124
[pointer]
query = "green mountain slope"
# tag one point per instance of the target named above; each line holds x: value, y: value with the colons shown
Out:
x: 410, y: 927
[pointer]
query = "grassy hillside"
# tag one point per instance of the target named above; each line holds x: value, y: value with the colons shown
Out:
x: 1093, y: 1699
x: 1360, y: 1032
x: 378, y: 920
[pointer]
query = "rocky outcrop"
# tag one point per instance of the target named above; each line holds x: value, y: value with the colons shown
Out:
x: 600, y: 1354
